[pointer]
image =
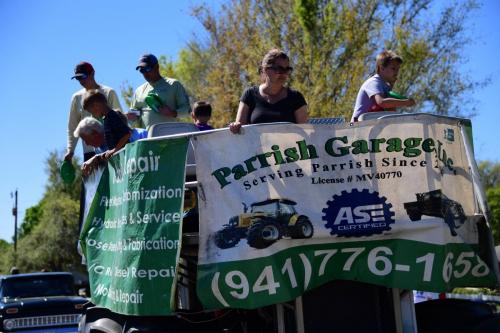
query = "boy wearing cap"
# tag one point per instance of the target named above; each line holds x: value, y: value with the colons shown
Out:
x: 171, y: 93
x: 84, y: 73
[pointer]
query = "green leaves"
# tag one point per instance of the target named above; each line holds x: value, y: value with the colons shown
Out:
x: 493, y: 196
x: 332, y: 46
x: 51, y: 244
x: 490, y: 176
x: 306, y: 10
x: 48, y: 236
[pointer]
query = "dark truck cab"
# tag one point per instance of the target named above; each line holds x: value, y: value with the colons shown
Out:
x: 39, y: 302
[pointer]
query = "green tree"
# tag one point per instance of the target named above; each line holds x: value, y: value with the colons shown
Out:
x: 127, y: 93
x: 490, y: 176
x: 54, y: 185
x: 52, y: 242
x: 493, y: 197
x: 332, y: 45
x: 490, y: 173
x: 32, y: 216
x: 49, y: 233
x: 5, y: 256
x: 54, y: 182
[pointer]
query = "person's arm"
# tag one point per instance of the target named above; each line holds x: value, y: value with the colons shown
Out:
x: 113, y: 101
x: 301, y: 116
x: 390, y: 102
x: 241, y: 118
x: 121, y: 143
x: 73, y: 121
x: 132, y: 117
x: 91, y: 164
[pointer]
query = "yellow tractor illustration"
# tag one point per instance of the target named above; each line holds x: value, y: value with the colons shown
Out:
x: 267, y: 222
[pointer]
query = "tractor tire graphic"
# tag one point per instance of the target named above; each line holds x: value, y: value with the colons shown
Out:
x: 263, y: 233
x: 225, y: 239
x: 414, y: 215
x: 454, y: 218
x: 303, y: 228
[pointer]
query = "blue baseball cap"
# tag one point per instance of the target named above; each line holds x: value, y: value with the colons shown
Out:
x: 147, y: 60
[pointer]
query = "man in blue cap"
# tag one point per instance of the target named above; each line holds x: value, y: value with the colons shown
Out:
x: 170, y: 94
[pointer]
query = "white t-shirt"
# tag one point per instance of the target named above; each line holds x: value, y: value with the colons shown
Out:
x: 375, y: 85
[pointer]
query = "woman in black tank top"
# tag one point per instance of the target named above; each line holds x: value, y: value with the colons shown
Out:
x: 271, y: 101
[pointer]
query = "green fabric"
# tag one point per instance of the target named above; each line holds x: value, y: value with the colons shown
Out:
x: 131, y: 234
x: 287, y: 274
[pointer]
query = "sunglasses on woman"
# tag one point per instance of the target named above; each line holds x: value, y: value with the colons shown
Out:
x: 281, y: 69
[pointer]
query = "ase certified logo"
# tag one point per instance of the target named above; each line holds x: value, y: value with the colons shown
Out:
x: 358, y: 213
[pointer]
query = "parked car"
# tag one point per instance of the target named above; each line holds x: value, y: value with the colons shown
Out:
x: 39, y: 302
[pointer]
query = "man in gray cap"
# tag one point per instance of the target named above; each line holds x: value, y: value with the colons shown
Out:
x: 84, y: 73
x: 159, y: 99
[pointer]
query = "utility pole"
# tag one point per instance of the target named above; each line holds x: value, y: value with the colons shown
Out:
x: 14, y: 212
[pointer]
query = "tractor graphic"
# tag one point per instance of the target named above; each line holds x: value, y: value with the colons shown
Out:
x: 435, y: 203
x: 267, y: 222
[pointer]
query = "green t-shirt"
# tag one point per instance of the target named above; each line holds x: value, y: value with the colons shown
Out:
x: 171, y: 93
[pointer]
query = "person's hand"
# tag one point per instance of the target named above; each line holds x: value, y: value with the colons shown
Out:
x: 89, y: 166
x: 235, y: 127
x: 410, y: 102
x: 92, y: 164
x: 68, y: 156
x: 166, y: 111
x: 108, y: 154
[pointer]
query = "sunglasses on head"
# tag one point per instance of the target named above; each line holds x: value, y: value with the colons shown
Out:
x: 281, y: 69
x: 145, y: 69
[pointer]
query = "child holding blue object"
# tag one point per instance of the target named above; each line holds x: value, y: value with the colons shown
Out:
x: 374, y: 92
x: 201, y: 113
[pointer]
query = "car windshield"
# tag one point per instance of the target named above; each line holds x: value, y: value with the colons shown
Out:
x: 268, y: 208
x: 37, y: 286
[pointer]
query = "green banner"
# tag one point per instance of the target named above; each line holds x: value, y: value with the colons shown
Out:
x: 286, y: 208
x: 131, y: 235
x: 391, y: 263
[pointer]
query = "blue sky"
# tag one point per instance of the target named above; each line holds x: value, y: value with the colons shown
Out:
x: 43, y: 40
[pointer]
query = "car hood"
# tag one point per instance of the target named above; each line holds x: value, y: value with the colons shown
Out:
x: 37, y: 302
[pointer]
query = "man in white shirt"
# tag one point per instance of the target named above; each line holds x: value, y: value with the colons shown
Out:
x: 84, y: 73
